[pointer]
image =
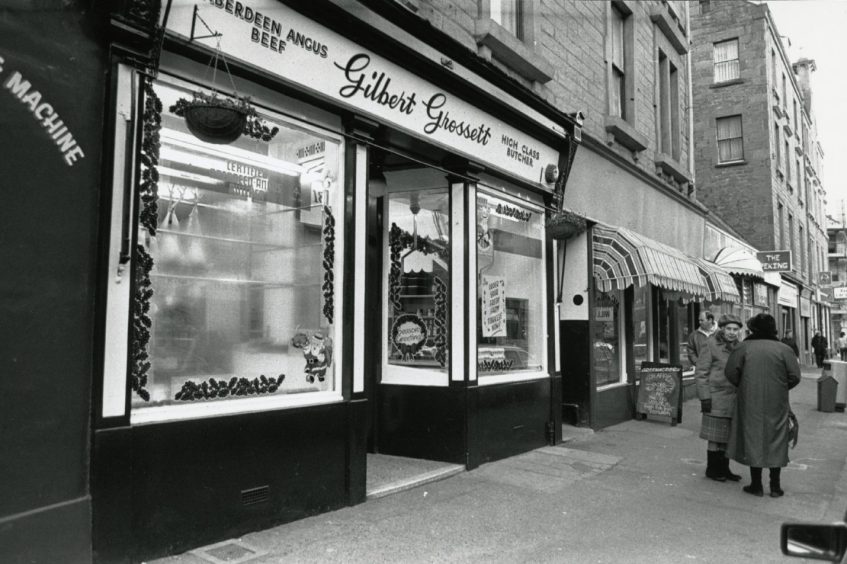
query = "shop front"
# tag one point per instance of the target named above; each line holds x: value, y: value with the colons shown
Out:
x: 789, y: 302
x: 757, y: 288
x: 643, y: 299
x: 360, y: 265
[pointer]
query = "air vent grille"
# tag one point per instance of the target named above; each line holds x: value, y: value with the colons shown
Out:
x: 253, y: 496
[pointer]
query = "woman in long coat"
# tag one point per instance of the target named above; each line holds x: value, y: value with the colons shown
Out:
x: 717, y: 396
x: 763, y: 369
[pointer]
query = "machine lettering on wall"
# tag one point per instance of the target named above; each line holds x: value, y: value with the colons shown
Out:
x: 45, y: 115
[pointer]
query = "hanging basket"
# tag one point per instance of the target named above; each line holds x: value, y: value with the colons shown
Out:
x: 219, y: 120
x: 220, y: 124
x: 565, y: 224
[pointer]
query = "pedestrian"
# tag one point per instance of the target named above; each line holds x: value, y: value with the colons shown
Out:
x: 763, y: 370
x: 697, y: 339
x: 819, y: 346
x: 717, y: 396
x: 842, y: 345
x: 789, y: 340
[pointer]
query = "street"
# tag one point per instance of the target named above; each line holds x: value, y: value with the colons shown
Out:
x: 634, y: 492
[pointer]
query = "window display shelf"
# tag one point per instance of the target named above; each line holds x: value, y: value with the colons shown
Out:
x: 273, y: 246
x: 266, y: 283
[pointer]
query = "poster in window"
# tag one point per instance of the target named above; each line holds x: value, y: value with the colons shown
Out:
x: 493, y: 306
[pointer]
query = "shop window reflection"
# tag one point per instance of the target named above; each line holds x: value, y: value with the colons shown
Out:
x: 606, y: 338
x: 510, y: 278
x: 640, y: 330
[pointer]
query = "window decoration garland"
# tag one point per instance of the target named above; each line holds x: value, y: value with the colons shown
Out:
x: 398, y: 241
x: 328, y: 264
x: 212, y: 388
x: 440, y: 321
x: 148, y: 192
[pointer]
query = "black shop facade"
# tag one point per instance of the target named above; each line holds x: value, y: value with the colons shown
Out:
x: 360, y: 266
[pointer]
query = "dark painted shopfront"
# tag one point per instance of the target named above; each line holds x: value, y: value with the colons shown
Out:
x: 640, y: 303
x: 359, y: 265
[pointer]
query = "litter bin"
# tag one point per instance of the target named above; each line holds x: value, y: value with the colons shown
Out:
x: 838, y: 370
x: 827, y: 389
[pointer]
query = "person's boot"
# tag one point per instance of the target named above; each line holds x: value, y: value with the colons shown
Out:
x: 730, y: 475
x: 776, y: 490
x: 755, y: 487
x: 714, y: 469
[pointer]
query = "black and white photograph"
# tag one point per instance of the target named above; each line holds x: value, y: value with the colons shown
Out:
x: 423, y: 281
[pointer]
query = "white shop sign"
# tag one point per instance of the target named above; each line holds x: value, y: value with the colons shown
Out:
x: 279, y: 40
x: 788, y: 295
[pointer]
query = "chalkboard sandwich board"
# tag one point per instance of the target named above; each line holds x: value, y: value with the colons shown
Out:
x: 660, y: 392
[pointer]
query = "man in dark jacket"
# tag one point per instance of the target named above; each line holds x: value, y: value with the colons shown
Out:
x: 763, y: 370
x: 789, y: 340
x: 819, y: 345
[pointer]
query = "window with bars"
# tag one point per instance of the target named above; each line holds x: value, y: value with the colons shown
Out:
x: 730, y: 139
x: 726, y: 61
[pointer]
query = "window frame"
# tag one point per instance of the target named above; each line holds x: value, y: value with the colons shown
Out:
x: 715, y: 62
x: 473, y: 308
x: 140, y: 415
x: 718, y: 138
x: 620, y: 11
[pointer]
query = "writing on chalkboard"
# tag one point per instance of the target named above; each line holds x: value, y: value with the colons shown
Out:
x: 660, y: 392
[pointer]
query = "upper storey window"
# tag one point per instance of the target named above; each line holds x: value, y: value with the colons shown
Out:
x: 726, y: 61
x: 619, y: 75
x: 509, y: 14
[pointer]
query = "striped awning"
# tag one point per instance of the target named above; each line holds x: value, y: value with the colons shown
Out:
x: 739, y: 261
x: 721, y: 285
x: 623, y: 257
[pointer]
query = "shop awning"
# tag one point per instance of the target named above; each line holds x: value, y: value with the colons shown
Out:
x: 739, y: 261
x: 721, y: 285
x: 623, y: 257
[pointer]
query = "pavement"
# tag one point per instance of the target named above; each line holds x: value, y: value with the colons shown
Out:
x: 634, y: 492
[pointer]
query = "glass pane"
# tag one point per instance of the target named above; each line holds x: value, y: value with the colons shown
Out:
x: 417, y: 277
x: 606, y: 340
x: 507, y: 14
x: 684, y: 328
x: 640, y: 333
x: 243, y: 264
x: 510, y: 275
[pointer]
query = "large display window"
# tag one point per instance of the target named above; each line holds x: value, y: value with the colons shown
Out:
x: 511, y: 297
x: 237, y: 268
x: 416, y: 280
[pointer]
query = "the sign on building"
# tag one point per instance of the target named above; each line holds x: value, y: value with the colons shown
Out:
x: 825, y: 278
x: 775, y: 261
x: 840, y: 293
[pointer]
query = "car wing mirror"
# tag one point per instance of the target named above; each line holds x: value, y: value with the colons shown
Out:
x: 814, y: 541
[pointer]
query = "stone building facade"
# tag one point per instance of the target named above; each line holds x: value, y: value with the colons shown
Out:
x: 757, y: 157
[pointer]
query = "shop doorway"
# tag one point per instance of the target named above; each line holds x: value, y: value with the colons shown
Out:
x: 414, y: 433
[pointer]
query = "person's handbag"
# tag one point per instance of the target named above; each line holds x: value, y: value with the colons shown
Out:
x: 793, y: 429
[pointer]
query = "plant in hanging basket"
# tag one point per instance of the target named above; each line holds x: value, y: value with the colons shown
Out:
x: 221, y: 120
x: 565, y: 224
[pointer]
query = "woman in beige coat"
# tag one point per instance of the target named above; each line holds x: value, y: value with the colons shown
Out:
x: 717, y: 396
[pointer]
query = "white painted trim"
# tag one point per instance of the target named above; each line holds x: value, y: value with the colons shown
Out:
x: 181, y: 411
x: 457, y: 277
x: 359, y: 269
x: 513, y: 377
x: 116, y: 342
x: 411, y: 376
x: 473, y: 288
x: 557, y: 352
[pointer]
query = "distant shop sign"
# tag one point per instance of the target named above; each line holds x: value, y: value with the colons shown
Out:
x: 775, y: 261
x: 825, y: 278
x: 840, y: 293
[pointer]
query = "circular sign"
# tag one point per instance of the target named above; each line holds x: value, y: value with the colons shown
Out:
x: 408, y: 333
